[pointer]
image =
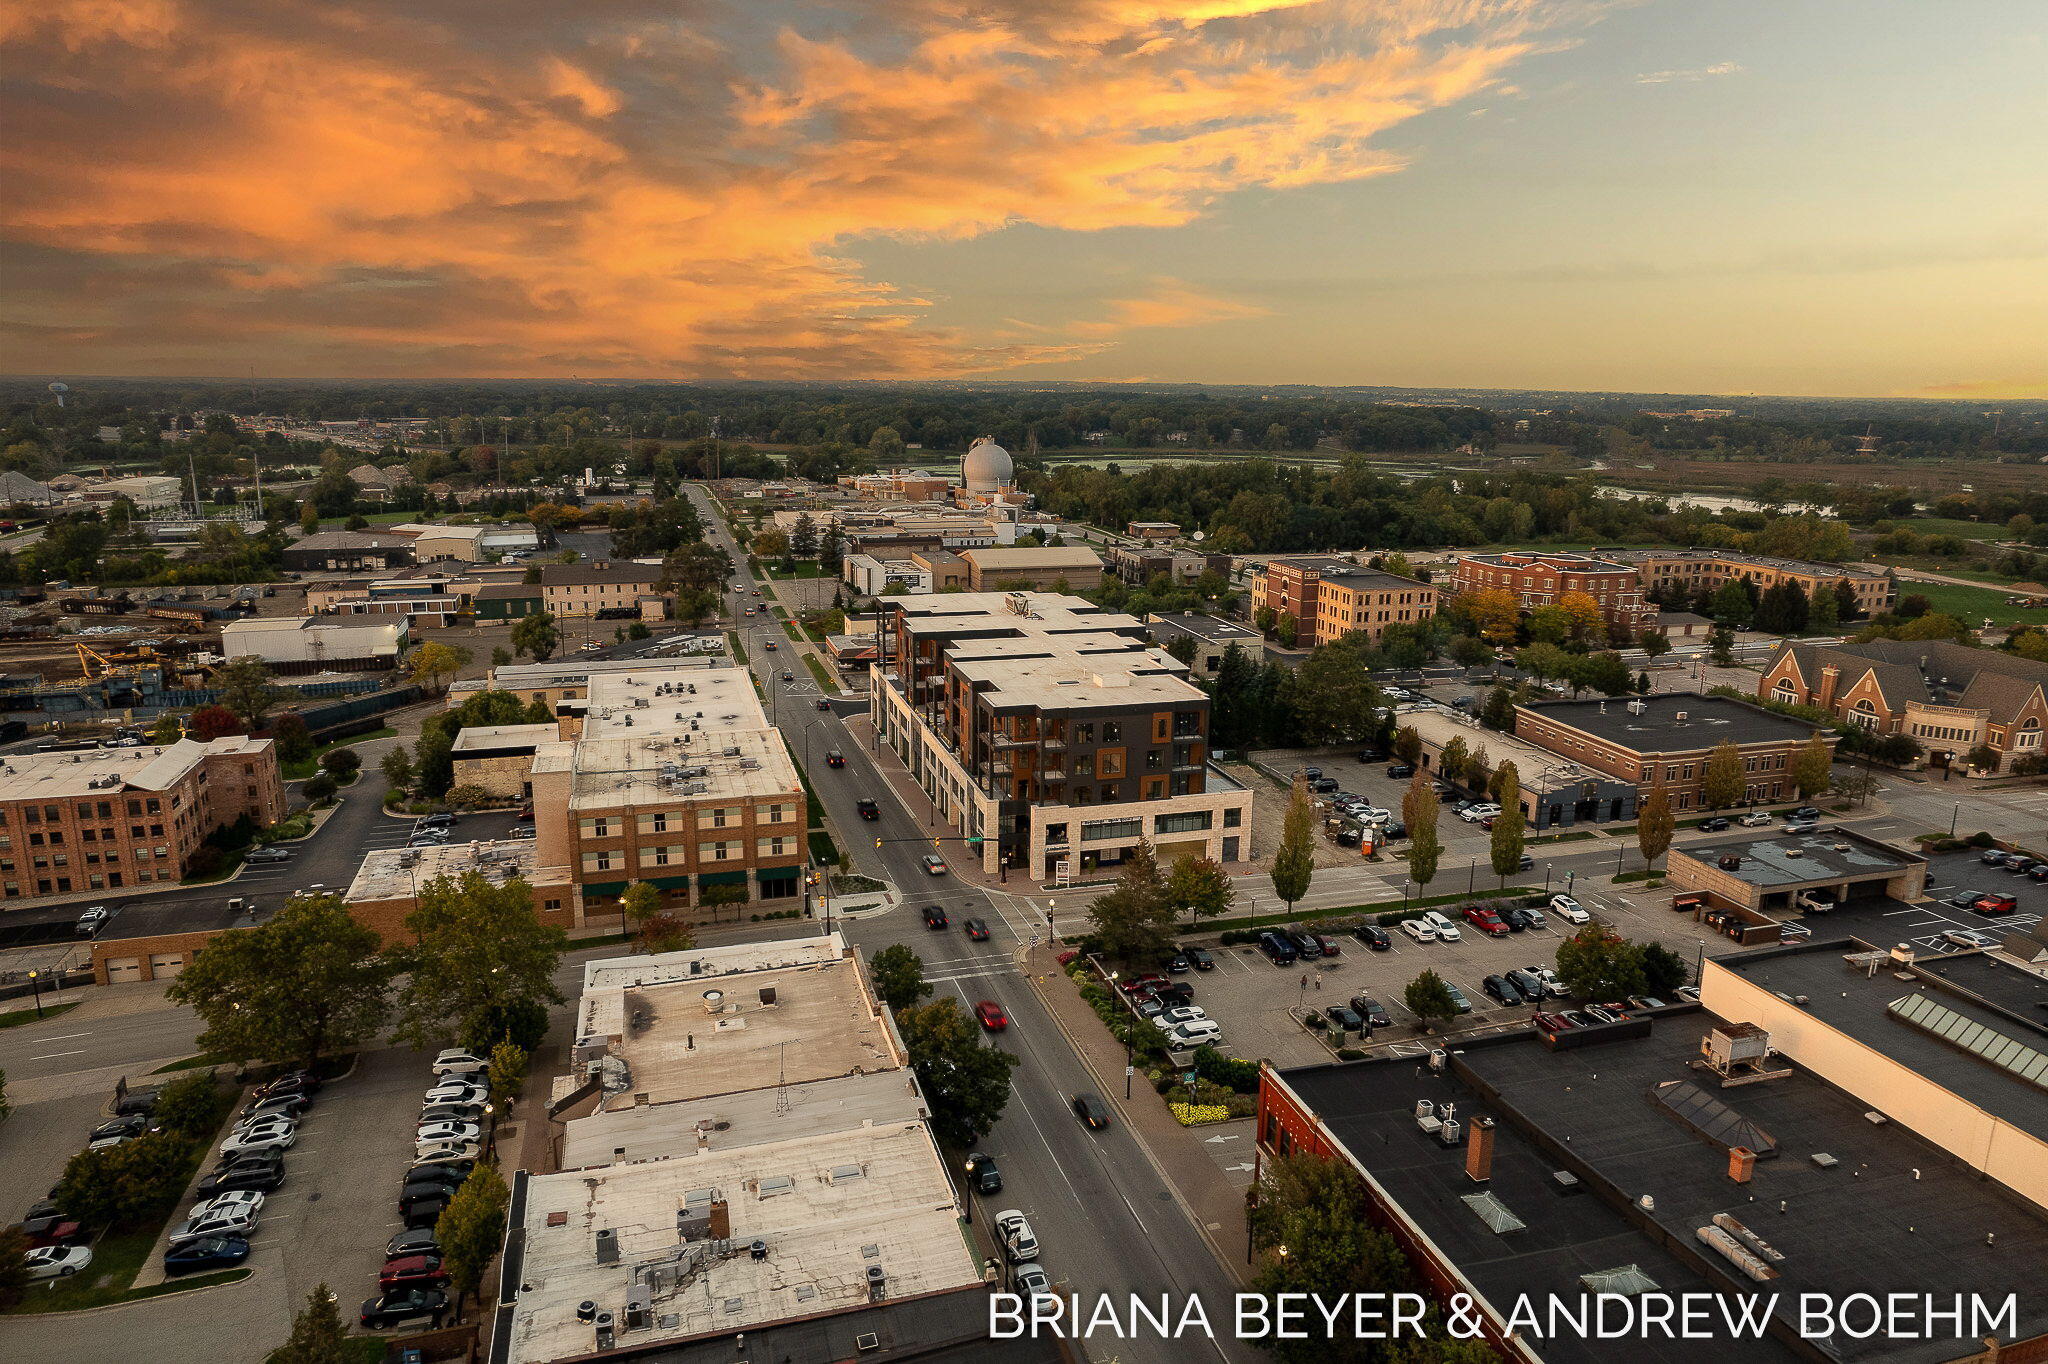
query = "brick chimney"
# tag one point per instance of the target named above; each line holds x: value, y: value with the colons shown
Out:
x: 1741, y: 1163
x: 1479, y: 1151
x: 1830, y: 678
x: 721, y: 1220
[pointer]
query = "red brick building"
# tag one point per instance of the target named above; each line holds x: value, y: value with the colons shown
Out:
x: 1538, y: 579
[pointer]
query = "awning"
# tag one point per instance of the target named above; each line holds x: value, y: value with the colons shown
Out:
x: 722, y: 878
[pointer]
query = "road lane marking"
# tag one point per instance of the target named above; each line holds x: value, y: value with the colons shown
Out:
x: 67, y: 1036
x: 51, y: 1056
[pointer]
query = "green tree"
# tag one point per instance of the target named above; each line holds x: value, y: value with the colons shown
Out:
x: 1543, y: 661
x: 309, y: 519
x: 434, y: 664
x: 1294, y: 863
x: 471, y: 1229
x: 14, y: 1278
x: 1419, y: 810
x: 1597, y: 964
x: 1200, y: 886
x: 966, y: 1083
x: 1333, y: 695
x: 1783, y: 609
x: 167, y: 730
x: 294, y: 742
x: 129, y: 1184
x: 319, y: 788
x: 1450, y: 764
x: 501, y: 657
x: 1721, y: 645
x: 1654, y: 821
x: 319, y: 1335
x: 1509, y: 825
x: 1814, y: 768
x: 303, y: 985
x: 536, y: 636
x: 1605, y: 672
x: 475, y: 945
x: 1663, y: 969
x: 1653, y: 642
x: 507, y: 1072
x: 1732, y: 605
x: 1134, y: 918
x: 1981, y: 758
x: 1498, y: 710
x: 1723, y: 783
x: 245, y: 688
x: 641, y: 901
x: 1407, y: 745
x: 522, y: 1022
x: 1320, y: 1234
x: 342, y: 764
x: 1428, y: 998
x: 397, y: 765
x: 898, y: 975
x: 189, y: 1106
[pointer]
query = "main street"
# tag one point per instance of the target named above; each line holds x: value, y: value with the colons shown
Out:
x: 1107, y: 1220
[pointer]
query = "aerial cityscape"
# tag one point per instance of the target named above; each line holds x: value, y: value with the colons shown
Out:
x: 1077, y: 683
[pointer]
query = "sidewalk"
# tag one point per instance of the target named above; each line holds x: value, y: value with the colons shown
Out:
x: 1216, y: 1208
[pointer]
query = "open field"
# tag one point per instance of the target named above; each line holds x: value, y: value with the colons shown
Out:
x: 1933, y: 477
x: 1973, y: 604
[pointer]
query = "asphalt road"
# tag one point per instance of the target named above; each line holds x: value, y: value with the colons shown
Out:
x: 1106, y: 1220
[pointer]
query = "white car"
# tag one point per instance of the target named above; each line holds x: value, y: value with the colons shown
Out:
x: 456, y: 1092
x: 1967, y: 939
x: 455, y: 1058
x: 203, y: 1227
x: 431, y: 1152
x: 1019, y: 1241
x: 1186, y: 1013
x: 1755, y: 819
x: 447, y: 1131
x: 1552, y: 986
x: 1570, y: 910
x: 271, y: 1134
x: 1472, y: 814
x: 1445, y: 930
x: 1372, y: 814
x: 248, y: 1200
x: 1418, y: 930
x: 1203, y: 1032
x: 56, y: 1262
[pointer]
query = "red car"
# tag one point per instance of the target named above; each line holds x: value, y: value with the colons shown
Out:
x: 1550, y: 1022
x: 991, y: 1015
x: 1329, y: 945
x: 409, y: 1271
x: 1996, y: 904
x: 1485, y: 920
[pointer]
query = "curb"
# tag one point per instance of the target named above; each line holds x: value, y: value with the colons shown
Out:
x: 247, y: 1277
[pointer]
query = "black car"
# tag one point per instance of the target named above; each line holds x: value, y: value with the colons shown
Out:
x: 2039, y: 872
x: 1372, y: 1011
x: 1502, y: 989
x: 934, y: 917
x: 444, y: 1176
x: 1343, y: 1018
x: 2023, y: 867
x: 1368, y: 756
x: 1805, y: 812
x: 1393, y: 829
x: 1373, y: 936
x: 1306, y: 945
x: 1312, y: 773
x: 1400, y: 769
x: 425, y: 1212
x: 1712, y: 826
x: 834, y: 758
x: 215, y: 1252
x: 1528, y: 983
x: 469, y: 1112
x: 404, y: 1304
x: 1458, y: 1000
x: 291, y: 1082
x: 1174, y: 994
x: 868, y: 809
x: 133, y: 1125
x: 982, y: 1174
x: 258, y: 1176
x: 283, y: 1105
x: 1200, y: 958
x: 1323, y: 785
x: 412, y: 1241
x: 1279, y: 948
x: 1178, y: 964
x: 977, y: 929
x: 1516, y: 918
x: 1091, y: 1110
x: 141, y: 1100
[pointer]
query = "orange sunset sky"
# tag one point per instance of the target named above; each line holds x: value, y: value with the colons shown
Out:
x: 1812, y: 196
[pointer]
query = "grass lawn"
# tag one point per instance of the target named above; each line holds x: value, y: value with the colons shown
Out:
x: 301, y: 770
x: 390, y: 518
x: 1970, y: 604
x: 804, y: 569
x: 793, y: 630
x: 20, y: 1016
x: 739, y: 650
x: 818, y: 671
x: 1942, y: 525
x: 115, y: 1262
x: 230, y: 863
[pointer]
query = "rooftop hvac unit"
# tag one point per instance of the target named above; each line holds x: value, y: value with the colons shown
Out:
x: 1450, y: 1133
x: 639, y: 1307
x: 607, y: 1246
x: 878, y: 1283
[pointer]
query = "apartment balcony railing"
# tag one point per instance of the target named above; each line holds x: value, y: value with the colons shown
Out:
x: 1014, y: 741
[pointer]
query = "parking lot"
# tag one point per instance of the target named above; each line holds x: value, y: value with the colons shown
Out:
x: 1922, y: 925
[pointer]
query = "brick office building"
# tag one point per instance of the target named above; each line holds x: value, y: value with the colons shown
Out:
x: 1328, y: 597
x: 1676, y: 732
x: 1703, y: 570
x: 109, y: 818
x: 1538, y: 579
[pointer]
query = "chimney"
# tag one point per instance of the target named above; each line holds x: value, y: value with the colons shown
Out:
x: 1479, y: 1151
x: 1830, y: 678
x: 1741, y: 1164
x: 721, y: 1220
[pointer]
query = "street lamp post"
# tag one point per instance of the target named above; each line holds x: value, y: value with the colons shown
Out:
x: 35, y: 983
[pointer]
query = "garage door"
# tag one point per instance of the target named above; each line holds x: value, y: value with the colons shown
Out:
x: 164, y: 965
x: 123, y: 968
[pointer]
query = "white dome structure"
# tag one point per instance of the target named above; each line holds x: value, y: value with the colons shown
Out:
x: 987, y: 467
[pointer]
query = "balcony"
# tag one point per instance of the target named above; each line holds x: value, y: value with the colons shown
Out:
x: 1053, y: 774
x: 1052, y: 744
x: 1014, y: 741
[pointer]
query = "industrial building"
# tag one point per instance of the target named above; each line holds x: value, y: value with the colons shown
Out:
x: 311, y: 644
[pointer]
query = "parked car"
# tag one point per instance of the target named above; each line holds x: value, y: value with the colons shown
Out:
x: 1201, y: 1032
x: 259, y: 856
x: 205, y: 1226
x: 451, y: 1171
x: 976, y: 929
x: 1278, y: 948
x: 991, y: 1015
x: 412, y: 1241
x: 128, y: 1125
x: 1968, y: 939
x: 1501, y: 989
x: 455, y: 1058
x: 1568, y: 909
x: 291, y: 1082
x: 412, y: 1271
x: 1552, y: 986
x: 425, y: 1210
x: 271, y: 1132
x: 1473, y: 814
x: 1607, y: 1013
x: 1400, y: 769
x: 933, y: 866
x: 1307, y: 946
x: 230, y: 1200
x: 462, y: 1112
x: 1995, y: 904
x: 935, y: 917
x: 2022, y: 866
x: 1030, y: 1281
x: 1805, y: 812
x: 56, y: 1262
x: 402, y: 1305
x: 868, y: 809
x: 1486, y: 921
x: 92, y: 921
x: 453, y: 1091
x: 1550, y: 1022
x: 1445, y: 930
x: 1964, y: 899
x: 1372, y: 1011
x: 260, y: 1175
x: 982, y: 1174
x: 1458, y: 1000
x: 1755, y: 819
x: 448, y: 1131
x: 1344, y: 1018
x: 215, y: 1252
x: 1645, y: 1002
x: 279, y: 1106
x: 1013, y: 1229
x: 1713, y: 825
x: 1200, y: 958
x: 1418, y: 929
x: 1373, y: 936
x: 1323, y: 785
x: 1179, y: 1014
x: 1091, y: 1110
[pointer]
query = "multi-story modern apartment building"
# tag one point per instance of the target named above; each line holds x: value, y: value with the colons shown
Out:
x: 1949, y: 697
x: 1697, y: 570
x: 108, y: 818
x: 1538, y: 578
x: 1675, y: 732
x: 1049, y: 730
x: 1328, y: 597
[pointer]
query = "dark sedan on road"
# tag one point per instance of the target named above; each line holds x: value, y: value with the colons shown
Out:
x: 402, y: 1305
x: 216, y: 1252
x: 868, y: 809
x: 977, y: 929
x: 934, y: 917
x: 1091, y: 1110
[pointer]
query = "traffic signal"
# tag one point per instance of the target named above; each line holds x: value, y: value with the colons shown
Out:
x: 878, y: 840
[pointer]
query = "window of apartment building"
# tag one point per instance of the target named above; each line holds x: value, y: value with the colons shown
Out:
x: 720, y: 851
x: 1181, y: 823
x: 35, y: 840
x: 1111, y: 792
x: 667, y: 855
x: 1084, y: 732
x: 1093, y: 830
x: 1110, y: 762
x: 1084, y: 765
x: 1232, y: 818
x: 779, y: 846
x: 602, y: 861
x: 660, y: 822
x: 718, y: 817
x: 32, y: 814
x: 774, y: 814
x: 156, y: 807
x: 1112, y: 732
x: 1155, y: 759
x: 1152, y: 788
x: 1055, y: 834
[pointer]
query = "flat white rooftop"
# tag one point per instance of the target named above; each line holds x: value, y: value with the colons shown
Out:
x: 106, y: 772
x: 398, y: 873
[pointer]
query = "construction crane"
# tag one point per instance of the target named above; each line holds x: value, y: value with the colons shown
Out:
x: 139, y: 656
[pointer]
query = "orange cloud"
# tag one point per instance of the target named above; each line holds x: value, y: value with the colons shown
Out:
x: 424, y: 187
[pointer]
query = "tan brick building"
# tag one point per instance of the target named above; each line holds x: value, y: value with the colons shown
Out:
x: 1537, y: 579
x: 1328, y: 597
x: 572, y: 590
x: 1004, y: 570
x: 1633, y: 740
x: 110, y: 818
x: 1703, y: 570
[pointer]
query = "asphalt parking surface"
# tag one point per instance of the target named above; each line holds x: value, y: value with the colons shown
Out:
x: 1950, y: 874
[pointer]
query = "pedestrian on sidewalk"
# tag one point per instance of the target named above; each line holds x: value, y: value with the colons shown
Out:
x: 1319, y: 982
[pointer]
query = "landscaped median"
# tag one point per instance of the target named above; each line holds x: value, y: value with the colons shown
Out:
x: 1224, y: 1088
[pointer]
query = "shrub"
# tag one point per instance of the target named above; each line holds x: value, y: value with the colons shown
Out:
x: 1980, y: 839
x: 1192, y: 1115
x: 319, y: 788
x: 1315, y: 1023
x: 1350, y: 1054
x: 1227, y: 1071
